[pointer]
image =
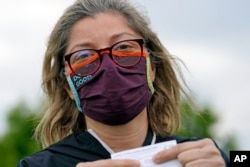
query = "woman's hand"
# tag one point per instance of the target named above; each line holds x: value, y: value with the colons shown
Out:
x: 110, y: 163
x: 201, y: 153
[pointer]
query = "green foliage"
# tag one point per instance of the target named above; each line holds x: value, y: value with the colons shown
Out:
x: 17, y: 142
x: 196, y: 123
x: 201, y: 124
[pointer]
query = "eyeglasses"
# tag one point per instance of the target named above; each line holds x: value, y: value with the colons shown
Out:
x: 125, y: 53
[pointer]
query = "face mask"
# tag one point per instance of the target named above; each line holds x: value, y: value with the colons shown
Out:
x: 113, y: 95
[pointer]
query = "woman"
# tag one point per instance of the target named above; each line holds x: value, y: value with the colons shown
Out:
x: 111, y: 86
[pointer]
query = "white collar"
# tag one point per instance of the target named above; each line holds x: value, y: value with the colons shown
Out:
x: 107, y: 147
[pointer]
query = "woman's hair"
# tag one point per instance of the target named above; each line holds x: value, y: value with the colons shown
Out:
x: 61, y: 116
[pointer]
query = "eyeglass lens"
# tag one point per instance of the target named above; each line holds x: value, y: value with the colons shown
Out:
x: 124, y: 53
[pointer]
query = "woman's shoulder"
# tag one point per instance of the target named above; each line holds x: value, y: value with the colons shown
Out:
x: 35, y: 160
x: 49, y: 154
x: 67, y: 152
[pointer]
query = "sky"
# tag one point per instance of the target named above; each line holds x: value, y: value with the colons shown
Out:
x: 211, y: 37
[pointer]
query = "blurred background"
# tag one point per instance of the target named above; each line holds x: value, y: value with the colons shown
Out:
x: 211, y: 37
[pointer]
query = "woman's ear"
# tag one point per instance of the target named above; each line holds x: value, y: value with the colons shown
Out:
x: 153, y: 66
x: 68, y: 90
x: 152, y: 72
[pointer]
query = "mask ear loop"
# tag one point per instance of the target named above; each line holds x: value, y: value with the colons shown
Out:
x: 73, y: 89
x: 148, y: 66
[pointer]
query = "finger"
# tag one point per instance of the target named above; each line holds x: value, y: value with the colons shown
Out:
x: 190, y: 155
x: 173, y: 152
x: 110, y: 163
x: 207, y: 152
x: 206, y: 163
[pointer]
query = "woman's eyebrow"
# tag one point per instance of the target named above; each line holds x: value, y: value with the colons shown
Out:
x: 118, y: 35
x: 80, y: 46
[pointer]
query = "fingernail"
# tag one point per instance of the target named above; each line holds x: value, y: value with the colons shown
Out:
x: 136, y: 163
x: 156, y: 158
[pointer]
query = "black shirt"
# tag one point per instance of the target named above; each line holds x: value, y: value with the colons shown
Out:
x: 83, y: 147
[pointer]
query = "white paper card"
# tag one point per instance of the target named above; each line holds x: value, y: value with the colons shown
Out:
x: 145, y: 154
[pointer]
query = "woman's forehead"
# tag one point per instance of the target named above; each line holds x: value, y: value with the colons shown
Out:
x: 103, y: 29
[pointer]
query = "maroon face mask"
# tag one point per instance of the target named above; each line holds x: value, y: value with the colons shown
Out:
x: 113, y: 95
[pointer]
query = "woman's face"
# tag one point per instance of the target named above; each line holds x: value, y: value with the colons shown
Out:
x: 101, y: 31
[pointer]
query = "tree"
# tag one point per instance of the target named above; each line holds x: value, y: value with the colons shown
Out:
x: 201, y: 123
x: 17, y: 142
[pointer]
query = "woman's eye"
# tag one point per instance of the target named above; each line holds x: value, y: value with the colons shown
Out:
x: 85, y: 54
x: 124, y: 47
x: 81, y: 55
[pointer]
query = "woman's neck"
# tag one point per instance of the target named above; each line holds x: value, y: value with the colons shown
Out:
x: 122, y: 137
